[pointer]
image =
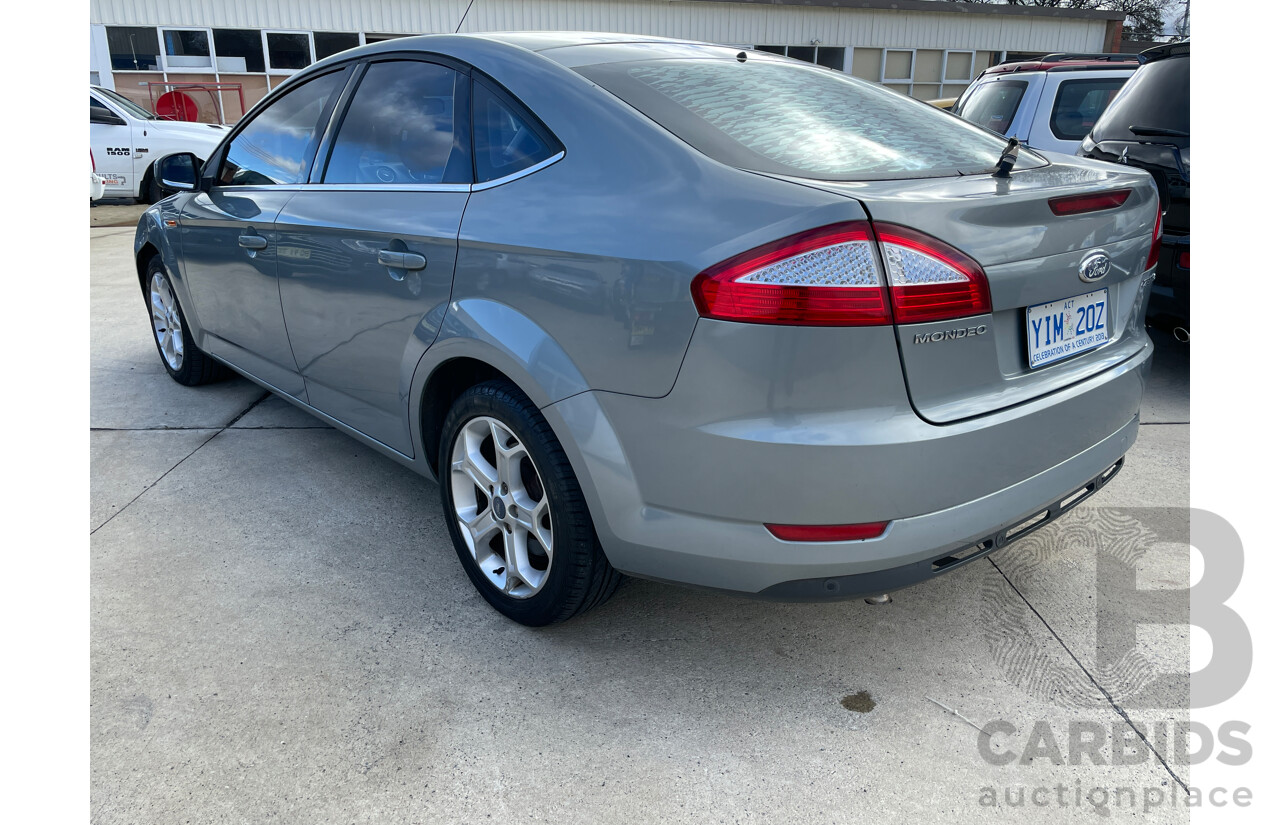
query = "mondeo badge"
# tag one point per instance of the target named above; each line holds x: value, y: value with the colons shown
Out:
x: 1095, y: 267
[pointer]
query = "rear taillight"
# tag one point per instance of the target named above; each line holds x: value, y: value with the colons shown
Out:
x: 828, y: 532
x: 929, y: 280
x: 1096, y: 202
x: 823, y: 277
x: 1154, y: 254
x: 1184, y: 260
x: 832, y: 276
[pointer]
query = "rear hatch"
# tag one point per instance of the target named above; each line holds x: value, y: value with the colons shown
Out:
x: 1032, y: 257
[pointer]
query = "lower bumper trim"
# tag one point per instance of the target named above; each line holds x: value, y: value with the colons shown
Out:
x: 876, y: 582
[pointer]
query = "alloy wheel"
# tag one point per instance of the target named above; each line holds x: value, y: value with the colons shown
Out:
x: 501, y: 506
x: 165, y: 321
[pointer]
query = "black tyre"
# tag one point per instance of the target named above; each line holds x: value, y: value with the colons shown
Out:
x: 182, y: 359
x: 515, y: 510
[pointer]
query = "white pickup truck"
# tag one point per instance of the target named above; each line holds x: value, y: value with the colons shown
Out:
x: 125, y: 139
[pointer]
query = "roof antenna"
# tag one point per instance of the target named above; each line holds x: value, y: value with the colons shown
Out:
x: 1007, y: 159
x: 464, y: 16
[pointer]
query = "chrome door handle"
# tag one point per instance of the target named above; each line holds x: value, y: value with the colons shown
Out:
x: 253, y: 241
x: 401, y: 260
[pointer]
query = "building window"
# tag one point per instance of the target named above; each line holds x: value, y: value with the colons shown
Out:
x: 133, y: 49
x: 897, y: 68
x: 832, y: 57
x: 239, y: 50
x: 958, y: 72
x: 328, y: 43
x: 187, y: 50
x: 288, y: 51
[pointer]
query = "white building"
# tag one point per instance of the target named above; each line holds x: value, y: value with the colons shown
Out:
x: 144, y: 48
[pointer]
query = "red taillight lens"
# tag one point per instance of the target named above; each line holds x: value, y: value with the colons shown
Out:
x: 1154, y: 254
x: 1079, y: 204
x: 828, y: 532
x: 1184, y: 260
x: 824, y: 277
x: 832, y: 276
x: 929, y: 280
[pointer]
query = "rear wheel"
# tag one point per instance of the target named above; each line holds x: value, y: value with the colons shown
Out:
x: 182, y: 359
x: 516, y: 513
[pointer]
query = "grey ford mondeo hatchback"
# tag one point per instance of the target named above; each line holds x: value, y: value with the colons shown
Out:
x: 668, y: 309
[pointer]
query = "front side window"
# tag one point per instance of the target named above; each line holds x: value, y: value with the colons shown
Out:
x: 277, y: 145
x: 790, y: 119
x: 402, y: 127
x: 993, y: 105
x: 125, y: 103
x: 1079, y: 104
x: 506, y: 139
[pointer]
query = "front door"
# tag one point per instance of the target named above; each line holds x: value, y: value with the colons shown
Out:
x: 111, y: 141
x: 229, y: 239
x: 366, y: 252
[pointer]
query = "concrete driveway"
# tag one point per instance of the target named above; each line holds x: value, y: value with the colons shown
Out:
x: 281, y: 632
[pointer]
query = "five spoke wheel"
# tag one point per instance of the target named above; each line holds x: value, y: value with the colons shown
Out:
x: 165, y: 321
x: 501, y: 506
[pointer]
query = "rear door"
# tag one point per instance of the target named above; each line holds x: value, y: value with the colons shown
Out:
x: 228, y: 232
x: 1070, y: 104
x: 367, y: 249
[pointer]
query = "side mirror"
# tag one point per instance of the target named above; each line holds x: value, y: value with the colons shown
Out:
x: 176, y: 173
x: 105, y: 117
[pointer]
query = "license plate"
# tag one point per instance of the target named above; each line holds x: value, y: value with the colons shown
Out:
x: 1070, y: 326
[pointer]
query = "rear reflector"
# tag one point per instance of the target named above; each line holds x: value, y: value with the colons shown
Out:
x: 1078, y: 204
x: 828, y: 532
x: 1154, y: 254
x: 823, y: 277
x: 929, y: 280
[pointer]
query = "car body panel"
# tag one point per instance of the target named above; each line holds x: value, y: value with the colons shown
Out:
x: 358, y: 328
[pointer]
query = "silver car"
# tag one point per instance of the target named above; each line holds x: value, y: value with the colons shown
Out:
x: 667, y: 309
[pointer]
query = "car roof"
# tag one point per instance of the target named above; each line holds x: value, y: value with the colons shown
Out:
x: 1166, y: 50
x: 1069, y: 63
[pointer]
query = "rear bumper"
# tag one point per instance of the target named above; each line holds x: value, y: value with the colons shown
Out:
x: 679, y: 494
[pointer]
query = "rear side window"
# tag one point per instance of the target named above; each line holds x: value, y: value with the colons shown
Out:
x: 507, y: 139
x: 798, y: 120
x: 277, y: 145
x: 1158, y: 96
x: 1078, y: 105
x: 993, y: 105
x: 403, y: 127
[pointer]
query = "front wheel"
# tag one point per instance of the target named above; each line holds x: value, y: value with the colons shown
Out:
x: 183, y: 360
x: 516, y: 513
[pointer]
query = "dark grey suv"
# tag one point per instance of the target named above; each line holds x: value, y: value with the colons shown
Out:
x: 668, y: 309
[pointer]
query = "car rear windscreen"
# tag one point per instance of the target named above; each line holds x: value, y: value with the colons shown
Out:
x: 791, y: 119
x: 993, y: 104
x: 1158, y: 96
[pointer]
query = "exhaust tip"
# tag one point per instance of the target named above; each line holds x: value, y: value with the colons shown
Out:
x: 1182, y: 334
x: 883, y: 598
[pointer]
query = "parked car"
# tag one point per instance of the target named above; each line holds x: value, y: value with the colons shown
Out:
x: 1050, y: 103
x: 868, y: 353
x: 125, y: 139
x: 1149, y: 126
x: 947, y: 103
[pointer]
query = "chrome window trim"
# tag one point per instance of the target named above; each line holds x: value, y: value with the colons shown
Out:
x: 395, y: 187
x: 528, y: 170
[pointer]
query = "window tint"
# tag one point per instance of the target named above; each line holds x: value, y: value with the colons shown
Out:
x: 1079, y: 104
x: 791, y: 119
x: 133, y: 48
x: 506, y: 140
x: 400, y: 128
x: 277, y: 145
x: 328, y: 43
x: 239, y: 50
x: 1157, y: 96
x: 994, y: 104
